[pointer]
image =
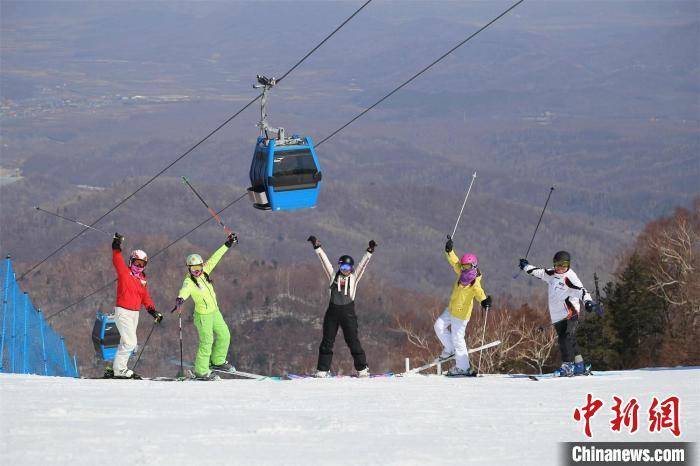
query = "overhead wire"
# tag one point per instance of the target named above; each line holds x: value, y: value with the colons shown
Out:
x: 435, y: 62
x: 195, y: 146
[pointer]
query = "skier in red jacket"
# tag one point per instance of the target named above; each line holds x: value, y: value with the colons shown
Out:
x: 132, y: 294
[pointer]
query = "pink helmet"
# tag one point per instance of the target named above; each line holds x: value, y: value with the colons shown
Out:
x: 469, y: 259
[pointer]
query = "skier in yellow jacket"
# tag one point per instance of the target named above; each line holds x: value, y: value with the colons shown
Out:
x: 467, y: 287
x: 211, y: 354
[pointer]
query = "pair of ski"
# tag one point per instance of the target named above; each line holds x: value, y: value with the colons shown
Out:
x: 437, y: 361
x: 311, y: 376
x: 236, y: 373
x: 551, y: 375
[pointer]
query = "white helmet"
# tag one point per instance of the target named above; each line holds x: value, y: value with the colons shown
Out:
x: 138, y: 254
x: 194, y: 259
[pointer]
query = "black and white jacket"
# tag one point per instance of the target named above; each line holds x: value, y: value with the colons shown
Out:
x: 351, y: 280
x: 565, y: 292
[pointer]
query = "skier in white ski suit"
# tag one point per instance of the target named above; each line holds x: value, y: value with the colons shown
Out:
x: 565, y: 295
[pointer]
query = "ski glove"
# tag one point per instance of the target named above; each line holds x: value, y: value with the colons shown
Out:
x: 449, y: 245
x: 486, y: 303
x: 179, y: 302
x: 157, y: 316
x: 314, y: 242
x: 591, y: 306
x: 117, y: 242
x: 372, y: 245
x: 231, y: 240
x: 523, y: 263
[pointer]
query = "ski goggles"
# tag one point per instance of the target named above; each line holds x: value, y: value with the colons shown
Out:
x: 467, y: 266
x: 138, y: 263
x: 564, y: 264
x: 345, y: 268
x: 196, y: 268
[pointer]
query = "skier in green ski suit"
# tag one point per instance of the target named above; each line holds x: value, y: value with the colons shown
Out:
x: 211, y: 354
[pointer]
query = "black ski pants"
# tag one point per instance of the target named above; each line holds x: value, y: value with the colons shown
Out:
x: 344, y: 317
x: 566, y: 333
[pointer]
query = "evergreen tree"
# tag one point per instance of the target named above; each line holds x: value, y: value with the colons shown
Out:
x: 632, y: 328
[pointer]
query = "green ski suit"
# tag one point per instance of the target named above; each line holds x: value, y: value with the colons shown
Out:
x: 207, y: 317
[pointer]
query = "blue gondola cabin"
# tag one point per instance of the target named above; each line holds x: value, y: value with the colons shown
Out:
x: 105, y: 337
x: 284, y: 174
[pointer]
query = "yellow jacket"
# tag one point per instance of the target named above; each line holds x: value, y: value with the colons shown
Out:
x: 200, y: 289
x: 461, y: 301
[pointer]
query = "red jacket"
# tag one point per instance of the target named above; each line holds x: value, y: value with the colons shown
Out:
x: 131, y: 291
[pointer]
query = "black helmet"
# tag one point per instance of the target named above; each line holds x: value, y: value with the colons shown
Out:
x: 561, y: 256
x: 346, y: 260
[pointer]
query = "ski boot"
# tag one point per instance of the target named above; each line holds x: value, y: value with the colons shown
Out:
x: 457, y: 372
x: 223, y: 367
x: 109, y: 373
x: 127, y: 374
x: 581, y: 368
x: 363, y: 373
x: 210, y: 377
x: 445, y: 355
x: 322, y: 374
x: 566, y: 370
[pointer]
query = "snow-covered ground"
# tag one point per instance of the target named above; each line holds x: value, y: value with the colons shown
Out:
x: 389, y: 421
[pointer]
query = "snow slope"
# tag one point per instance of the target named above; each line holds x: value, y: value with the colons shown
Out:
x: 389, y: 421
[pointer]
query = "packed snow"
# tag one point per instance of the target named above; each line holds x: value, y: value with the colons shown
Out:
x: 413, y: 420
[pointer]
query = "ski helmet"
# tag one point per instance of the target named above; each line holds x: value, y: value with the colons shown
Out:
x: 469, y: 259
x: 346, y: 260
x: 561, y: 256
x: 138, y: 254
x: 194, y: 259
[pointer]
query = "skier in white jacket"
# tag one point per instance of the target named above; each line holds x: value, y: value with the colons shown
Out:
x: 565, y: 294
x: 342, y: 286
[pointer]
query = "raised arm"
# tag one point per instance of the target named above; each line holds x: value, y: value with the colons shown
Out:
x: 214, y: 259
x: 451, y: 256
x: 209, y: 265
x: 117, y: 259
x: 362, y: 266
x: 325, y: 262
x: 537, y: 272
x: 454, y: 261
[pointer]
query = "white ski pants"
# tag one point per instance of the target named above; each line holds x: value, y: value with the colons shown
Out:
x: 453, y: 339
x: 126, y: 322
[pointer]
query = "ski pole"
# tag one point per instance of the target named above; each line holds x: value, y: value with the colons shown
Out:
x: 463, y: 204
x: 483, y: 335
x: 182, y: 366
x: 71, y: 220
x: 599, y: 303
x: 144, y: 347
x: 213, y: 213
x: 536, y: 228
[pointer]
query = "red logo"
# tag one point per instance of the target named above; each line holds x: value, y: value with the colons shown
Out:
x: 663, y: 415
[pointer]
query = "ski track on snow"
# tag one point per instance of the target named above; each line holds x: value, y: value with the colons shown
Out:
x: 389, y: 421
